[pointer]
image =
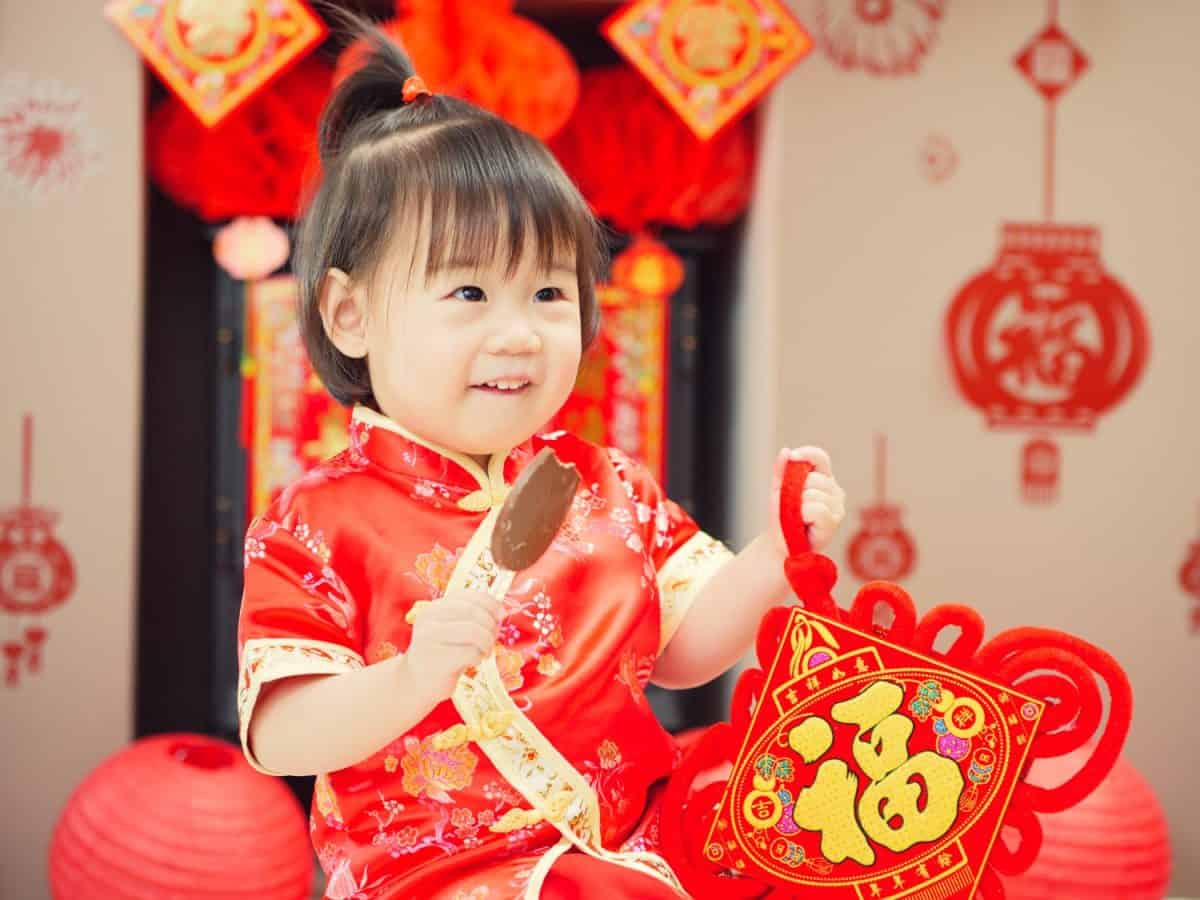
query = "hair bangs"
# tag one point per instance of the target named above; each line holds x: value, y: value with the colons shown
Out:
x: 485, y: 191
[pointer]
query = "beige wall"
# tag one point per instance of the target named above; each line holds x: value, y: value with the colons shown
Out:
x: 70, y: 354
x: 865, y: 254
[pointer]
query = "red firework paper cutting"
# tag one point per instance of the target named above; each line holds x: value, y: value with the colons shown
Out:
x: 1046, y: 338
x: 867, y: 763
x: 36, y: 571
x: 216, y: 54
x: 710, y: 59
x: 1189, y: 580
x: 882, y: 548
x: 45, y: 140
x: 887, y: 38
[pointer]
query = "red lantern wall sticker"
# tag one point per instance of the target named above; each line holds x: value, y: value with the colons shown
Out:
x: 1189, y: 580
x: 1045, y: 338
x: 36, y: 572
x: 882, y: 550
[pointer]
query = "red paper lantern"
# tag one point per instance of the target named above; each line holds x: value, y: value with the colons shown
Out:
x: 1045, y: 337
x: 481, y: 51
x: 183, y: 816
x: 1113, y: 846
x: 648, y: 267
x: 255, y: 162
x: 639, y: 165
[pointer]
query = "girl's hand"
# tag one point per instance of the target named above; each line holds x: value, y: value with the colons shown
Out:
x: 824, y: 502
x: 450, y: 634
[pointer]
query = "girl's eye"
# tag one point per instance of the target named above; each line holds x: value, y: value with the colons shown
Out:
x: 547, y: 294
x: 469, y: 293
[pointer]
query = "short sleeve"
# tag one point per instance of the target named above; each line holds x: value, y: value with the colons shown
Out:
x: 297, y: 616
x: 684, y: 556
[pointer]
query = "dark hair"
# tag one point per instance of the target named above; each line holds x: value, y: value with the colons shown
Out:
x: 382, y: 158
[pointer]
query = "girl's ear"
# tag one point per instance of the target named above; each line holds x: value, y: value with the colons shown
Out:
x: 343, y: 307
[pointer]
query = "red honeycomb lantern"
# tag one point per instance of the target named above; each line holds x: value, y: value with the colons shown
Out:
x: 1045, y: 338
x: 183, y: 816
x: 481, y: 51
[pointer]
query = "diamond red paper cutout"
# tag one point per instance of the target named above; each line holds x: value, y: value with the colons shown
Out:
x: 1052, y: 62
x: 215, y: 55
x: 710, y: 59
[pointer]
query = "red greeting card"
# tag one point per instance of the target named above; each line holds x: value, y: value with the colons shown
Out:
x: 870, y: 771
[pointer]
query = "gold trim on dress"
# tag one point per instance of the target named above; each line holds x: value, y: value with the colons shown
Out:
x: 522, y: 755
x: 682, y: 577
x: 270, y: 659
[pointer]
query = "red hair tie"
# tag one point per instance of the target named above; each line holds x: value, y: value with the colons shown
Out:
x: 414, y: 87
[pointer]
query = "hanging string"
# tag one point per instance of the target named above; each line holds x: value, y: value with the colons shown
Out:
x: 1048, y: 162
x: 881, y: 467
x: 27, y: 460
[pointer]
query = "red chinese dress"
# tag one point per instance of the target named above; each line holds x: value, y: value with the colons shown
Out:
x: 550, y: 744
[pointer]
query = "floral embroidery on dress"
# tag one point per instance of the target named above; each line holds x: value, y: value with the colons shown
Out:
x: 434, y: 568
x: 479, y: 892
x: 313, y: 541
x: 634, y: 671
x: 510, y: 662
x: 434, y: 773
x: 605, y: 777
x: 255, y: 549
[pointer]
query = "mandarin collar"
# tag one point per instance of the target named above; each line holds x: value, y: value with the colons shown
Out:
x: 391, y: 446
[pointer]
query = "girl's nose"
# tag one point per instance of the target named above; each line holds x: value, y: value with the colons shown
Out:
x: 513, y: 336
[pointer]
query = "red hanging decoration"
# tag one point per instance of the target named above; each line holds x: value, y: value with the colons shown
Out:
x: 37, y: 574
x: 217, y: 54
x: 619, y: 398
x: 1046, y: 338
x: 289, y: 421
x: 939, y: 159
x: 172, y: 816
x: 484, y: 53
x: 809, y: 808
x: 648, y: 267
x: 882, y: 548
x: 1189, y: 580
x: 709, y: 59
x: 1113, y: 846
x: 638, y: 165
x: 255, y: 162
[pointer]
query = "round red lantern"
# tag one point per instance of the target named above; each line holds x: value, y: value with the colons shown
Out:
x: 1046, y: 337
x: 481, y: 51
x: 1114, y: 845
x: 184, y: 816
x: 648, y: 267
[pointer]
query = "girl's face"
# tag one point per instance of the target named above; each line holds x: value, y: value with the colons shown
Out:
x: 476, y: 357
